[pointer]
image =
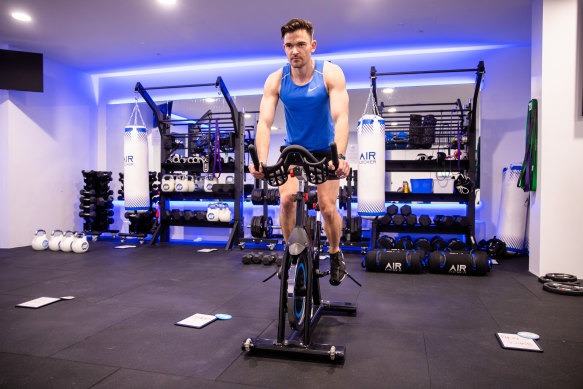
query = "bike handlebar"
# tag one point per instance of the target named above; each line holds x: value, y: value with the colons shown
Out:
x: 317, y: 171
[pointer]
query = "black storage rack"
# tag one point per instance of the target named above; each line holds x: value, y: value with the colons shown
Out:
x: 233, y: 122
x: 446, y: 120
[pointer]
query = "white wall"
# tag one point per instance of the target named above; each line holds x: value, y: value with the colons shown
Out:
x: 560, y: 141
x: 46, y: 142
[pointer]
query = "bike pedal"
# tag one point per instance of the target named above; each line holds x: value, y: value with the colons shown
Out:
x: 322, y: 273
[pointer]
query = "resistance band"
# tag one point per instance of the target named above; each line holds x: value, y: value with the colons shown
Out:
x: 527, y: 180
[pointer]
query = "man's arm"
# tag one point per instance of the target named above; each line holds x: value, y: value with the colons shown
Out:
x: 266, y: 116
x: 336, y: 84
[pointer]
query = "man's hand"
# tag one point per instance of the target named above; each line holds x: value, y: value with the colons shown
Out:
x: 258, y: 174
x: 343, y: 168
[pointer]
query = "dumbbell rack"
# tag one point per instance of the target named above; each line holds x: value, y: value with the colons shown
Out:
x: 444, y: 122
x: 266, y: 227
x: 232, y: 122
x: 142, y: 224
x: 96, y: 203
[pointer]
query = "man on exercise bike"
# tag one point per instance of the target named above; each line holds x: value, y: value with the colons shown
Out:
x: 315, y: 99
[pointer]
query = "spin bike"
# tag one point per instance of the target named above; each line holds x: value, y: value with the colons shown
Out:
x: 300, y: 301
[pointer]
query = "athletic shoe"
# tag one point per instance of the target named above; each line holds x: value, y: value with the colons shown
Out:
x: 337, y: 268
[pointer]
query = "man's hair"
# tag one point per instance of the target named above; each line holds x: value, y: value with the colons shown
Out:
x: 297, y: 24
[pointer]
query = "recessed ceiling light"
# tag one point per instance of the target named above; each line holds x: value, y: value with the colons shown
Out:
x: 392, y: 109
x: 167, y: 2
x: 273, y: 128
x: 21, y: 16
x: 394, y: 124
x: 248, y: 116
x: 209, y: 100
x: 388, y: 90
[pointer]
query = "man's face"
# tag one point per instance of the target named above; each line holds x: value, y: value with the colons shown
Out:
x: 298, y: 46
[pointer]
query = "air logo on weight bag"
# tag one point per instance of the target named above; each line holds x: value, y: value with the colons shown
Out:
x: 394, y: 267
x: 457, y: 269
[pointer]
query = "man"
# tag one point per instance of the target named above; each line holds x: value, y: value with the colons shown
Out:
x: 316, y: 111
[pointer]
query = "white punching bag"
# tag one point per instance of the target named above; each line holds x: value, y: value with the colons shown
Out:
x: 136, y: 180
x: 371, y: 166
x: 512, y: 218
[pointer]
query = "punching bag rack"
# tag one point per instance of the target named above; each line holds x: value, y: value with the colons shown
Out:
x: 231, y: 123
x: 446, y: 123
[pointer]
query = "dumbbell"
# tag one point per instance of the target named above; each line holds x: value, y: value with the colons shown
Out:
x: 406, y: 210
x: 422, y: 244
x: 425, y: 220
x: 188, y: 215
x: 404, y: 243
x: 398, y: 219
x: 456, y: 245
x: 91, y: 214
x: 392, y: 210
x: 87, y: 207
x: 385, y: 219
x: 200, y: 215
x: 445, y: 221
x: 268, y: 259
x: 411, y: 219
x: 438, y: 244
x: 177, y: 215
x: 103, y: 201
x: 386, y: 242
x: 461, y: 221
x: 87, y: 193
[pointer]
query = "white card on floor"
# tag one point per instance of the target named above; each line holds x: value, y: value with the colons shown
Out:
x: 126, y: 246
x: 206, y: 250
x: 517, y: 342
x: 198, y: 320
x: 39, y: 302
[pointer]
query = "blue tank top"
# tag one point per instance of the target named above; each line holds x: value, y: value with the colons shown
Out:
x: 307, y: 110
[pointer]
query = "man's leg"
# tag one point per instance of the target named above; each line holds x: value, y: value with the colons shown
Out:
x: 327, y: 194
x: 287, y: 207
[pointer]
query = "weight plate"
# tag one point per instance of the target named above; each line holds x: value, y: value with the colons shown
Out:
x: 565, y: 288
x: 561, y: 277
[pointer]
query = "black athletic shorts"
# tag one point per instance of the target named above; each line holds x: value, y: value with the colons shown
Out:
x: 319, y: 154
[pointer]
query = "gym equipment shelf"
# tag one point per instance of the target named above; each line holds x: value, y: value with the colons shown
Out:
x: 446, y: 127
x: 230, y: 127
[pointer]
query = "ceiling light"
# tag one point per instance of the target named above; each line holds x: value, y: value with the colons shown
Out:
x: 273, y: 128
x: 394, y: 124
x: 21, y: 16
x: 388, y: 90
x: 209, y: 100
x: 167, y: 2
x: 247, y: 116
x: 392, y: 109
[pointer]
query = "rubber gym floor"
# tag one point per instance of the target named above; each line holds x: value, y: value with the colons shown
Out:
x: 411, y: 331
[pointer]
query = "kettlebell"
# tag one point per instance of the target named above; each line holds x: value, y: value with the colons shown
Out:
x: 198, y: 184
x: 225, y: 214
x: 40, y: 241
x: 66, y: 242
x: 181, y: 183
x: 167, y: 183
x: 209, y: 182
x: 56, y: 237
x: 229, y: 180
x: 190, y: 183
x: 212, y: 212
x: 80, y: 243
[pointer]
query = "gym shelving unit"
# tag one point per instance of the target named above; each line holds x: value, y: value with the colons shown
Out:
x: 449, y: 117
x: 96, y: 203
x: 230, y: 123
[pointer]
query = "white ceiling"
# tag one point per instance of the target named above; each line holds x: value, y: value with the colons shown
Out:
x: 98, y: 35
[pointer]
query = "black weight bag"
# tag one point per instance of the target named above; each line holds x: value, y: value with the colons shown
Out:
x: 473, y: 262
x: 394, y: 261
